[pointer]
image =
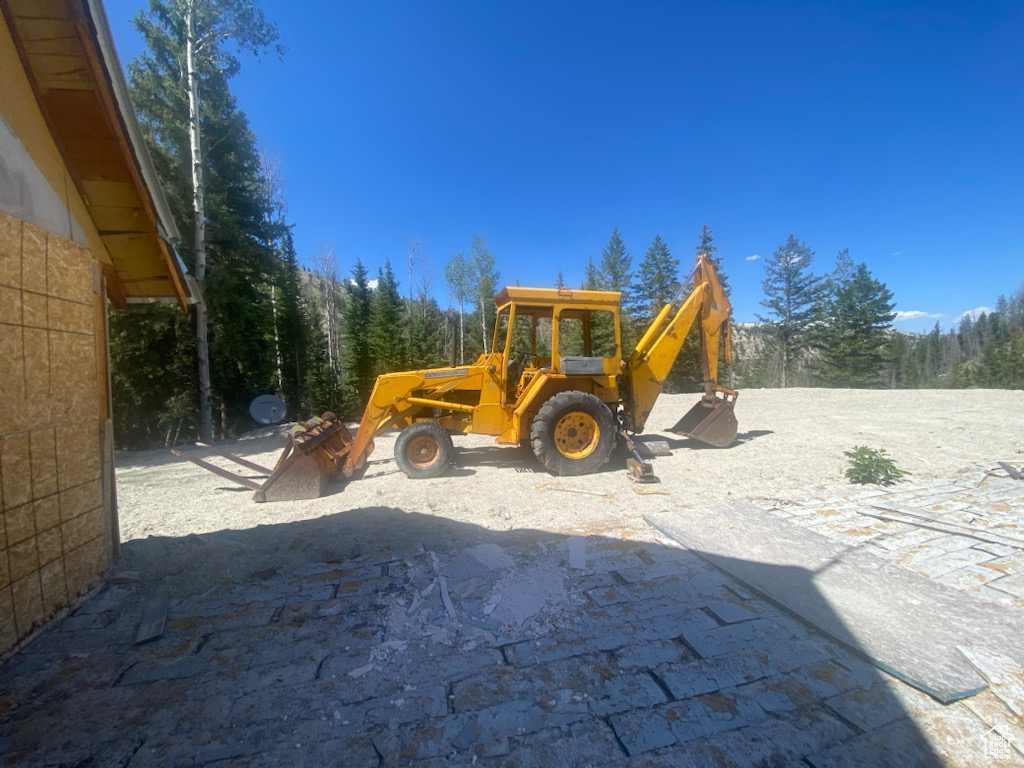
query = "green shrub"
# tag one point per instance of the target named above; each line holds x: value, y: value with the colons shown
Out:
x: 871, y: 466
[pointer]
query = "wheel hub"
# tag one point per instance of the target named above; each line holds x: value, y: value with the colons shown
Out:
x: 422, y: 451
x: 576, y: 435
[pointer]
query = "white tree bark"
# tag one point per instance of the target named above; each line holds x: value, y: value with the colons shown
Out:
x: 199, y: 234
x: 277, y: 340
x: 462, y: 333
x: 327, y: 264
x: 483, y: 323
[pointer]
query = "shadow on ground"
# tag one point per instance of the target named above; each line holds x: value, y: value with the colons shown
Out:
x: 676, y: 443
x: 270, y: 440
x: 380, y: 637
x: 273, y: 440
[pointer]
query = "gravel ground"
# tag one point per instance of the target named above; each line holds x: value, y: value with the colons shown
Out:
x: 791, y: 444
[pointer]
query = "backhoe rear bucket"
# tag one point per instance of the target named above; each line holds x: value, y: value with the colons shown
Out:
x: 711, y: 421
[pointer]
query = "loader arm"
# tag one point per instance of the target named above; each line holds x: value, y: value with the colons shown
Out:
x: 656, y: 352
x: 393, y: 403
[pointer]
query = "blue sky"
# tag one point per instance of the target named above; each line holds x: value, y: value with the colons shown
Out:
x: 892, y: 129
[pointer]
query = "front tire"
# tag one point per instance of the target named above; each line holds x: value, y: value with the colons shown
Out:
x: 423, y: 450
x: 573, y: 434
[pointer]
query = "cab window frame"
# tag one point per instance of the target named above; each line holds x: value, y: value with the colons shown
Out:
x: 585, y: 314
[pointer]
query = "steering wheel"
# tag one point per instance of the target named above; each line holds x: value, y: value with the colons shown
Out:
x: 516, y: 366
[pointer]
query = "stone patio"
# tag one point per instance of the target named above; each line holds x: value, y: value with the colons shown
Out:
x: 967, y: 533
x: 293, y: 645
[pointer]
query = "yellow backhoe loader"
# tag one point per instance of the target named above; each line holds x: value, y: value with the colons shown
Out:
x: 555, y: 379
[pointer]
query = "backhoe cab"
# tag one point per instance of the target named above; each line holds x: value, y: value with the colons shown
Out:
x: 554, y: 378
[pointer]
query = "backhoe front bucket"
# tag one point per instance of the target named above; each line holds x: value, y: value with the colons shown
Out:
x: 712, y: 420
x: 311, y: 459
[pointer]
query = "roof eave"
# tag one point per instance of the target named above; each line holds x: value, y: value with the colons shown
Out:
x: 167, y: 229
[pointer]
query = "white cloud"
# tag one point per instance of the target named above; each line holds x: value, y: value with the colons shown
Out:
x: 371, y: 284
x: 754, y: 257
x: 916, y: 314
x: 975, y: 313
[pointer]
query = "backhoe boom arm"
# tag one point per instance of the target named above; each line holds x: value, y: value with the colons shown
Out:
x: 657, y: 350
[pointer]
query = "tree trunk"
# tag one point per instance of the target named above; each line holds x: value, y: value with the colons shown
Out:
x: 483, y: 323
x: 277, y: 341
x: 328, y: 294
x: 410, y: 305
x: 462, y: 334
x: 199, y: 215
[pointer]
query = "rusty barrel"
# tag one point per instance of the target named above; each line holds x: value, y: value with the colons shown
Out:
x: 712, y: 420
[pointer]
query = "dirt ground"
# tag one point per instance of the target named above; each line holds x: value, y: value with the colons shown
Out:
x: 791, y: 444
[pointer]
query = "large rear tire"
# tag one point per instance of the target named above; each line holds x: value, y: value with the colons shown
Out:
x: 423, y: 450
x: 573, y: 434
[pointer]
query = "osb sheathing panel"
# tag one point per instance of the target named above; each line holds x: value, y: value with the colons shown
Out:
x: 70, y: 316
x: 33, y: 258
x: 53, y: 526
x: 44, y: 462
x: 33, y: 309
x: 10, y: 305
x: 10, y: 251
x: 68, y: 271
x: 12, y: 377
x: 38, y: 390
x: 8, y: 629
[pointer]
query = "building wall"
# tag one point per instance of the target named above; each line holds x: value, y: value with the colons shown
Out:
x: 55, y: 528
x: 56, y: 515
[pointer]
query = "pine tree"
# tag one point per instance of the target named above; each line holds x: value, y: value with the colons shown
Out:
x: 358, y: 365
x: 592, y: 277
x: 559, y: 280
x: 853, y: 337
x: 982, y: 351
x: 706, y: 245
x: 844, y: 268
x: 657, y: 282
x: 615, y: 274
x: 207, y: 160
x: 791, y: 296
x: 933, y: 368
x: 293, y: 330
x: 427, y: 329
x: 152, y: 371
x: 324, y: 388
x: 190, y: 54
x: 1015, y: 357
x: 616, y: 263
x: 387, y: 322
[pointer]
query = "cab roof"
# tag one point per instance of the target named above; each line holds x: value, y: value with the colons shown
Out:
x: 551, y: 296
